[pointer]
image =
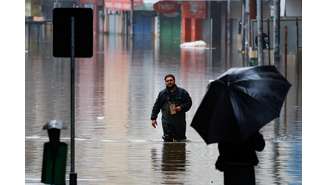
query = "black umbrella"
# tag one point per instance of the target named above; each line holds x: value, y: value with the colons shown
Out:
x: 240, y: 102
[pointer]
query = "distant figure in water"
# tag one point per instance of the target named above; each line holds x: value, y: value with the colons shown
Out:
x: 174, y: 102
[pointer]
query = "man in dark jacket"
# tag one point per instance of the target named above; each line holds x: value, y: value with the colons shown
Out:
x: 174, y: 102
x: 237, y: 160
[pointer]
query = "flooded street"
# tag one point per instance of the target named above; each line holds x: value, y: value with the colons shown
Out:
x: 115, y: 92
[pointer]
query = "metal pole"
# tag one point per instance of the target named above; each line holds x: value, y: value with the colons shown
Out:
x: 226, y: 37
x: 286, y: 70
x: 276, y: 28
x: 131, y: 17
x: 298, y: 70
x: 29, y: 35
x: 247, y: 31
x: 251, y: 16
x: 211, y: 33
x: 228, y: 49
x: 259, y: 32
x: 211, y: 23
x: 243, y: 31
x: 297, y: 34
x: 269, y: 47
x: 73, y: 175
x: 286, y: 49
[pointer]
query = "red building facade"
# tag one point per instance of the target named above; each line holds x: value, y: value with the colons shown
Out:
x: 193, y: 14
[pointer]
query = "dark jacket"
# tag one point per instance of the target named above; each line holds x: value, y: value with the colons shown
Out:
x: 173, y: 125
x: 240, y: 154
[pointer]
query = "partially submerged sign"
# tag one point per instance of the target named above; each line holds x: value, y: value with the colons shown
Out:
x: 83, y: 32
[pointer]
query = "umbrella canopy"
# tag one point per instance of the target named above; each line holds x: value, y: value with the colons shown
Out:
x: 239, y: 103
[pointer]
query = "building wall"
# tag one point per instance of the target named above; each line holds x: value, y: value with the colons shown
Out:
x: 143, y: 23
x: 294, y: 8
x: 115, y: 22
x: 193, y: 14
x: 36, y: 8
x: 27, y: 7
x: 170, y: 28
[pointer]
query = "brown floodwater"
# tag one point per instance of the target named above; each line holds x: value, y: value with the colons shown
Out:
x: 115, y: 91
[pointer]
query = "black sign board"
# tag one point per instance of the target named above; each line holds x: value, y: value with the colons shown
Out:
x: 83, y: 32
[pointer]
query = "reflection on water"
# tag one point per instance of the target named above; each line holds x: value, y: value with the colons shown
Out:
x: 170, y: 163
x: 115, y: 91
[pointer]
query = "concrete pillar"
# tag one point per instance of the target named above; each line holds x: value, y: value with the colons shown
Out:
x: 252, y: 9
x: 196, y: 29
x: 95, y: 17
x: 276, y: 31
x: 193, y: 14
x: 132, y: 17
x: 106, y: 21
x: 259, y: 33
x: 185, y: 29
x: 193, y: 29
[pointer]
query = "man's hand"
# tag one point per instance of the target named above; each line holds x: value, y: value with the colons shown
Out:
x: 177, y: 108
x: 154, y: 123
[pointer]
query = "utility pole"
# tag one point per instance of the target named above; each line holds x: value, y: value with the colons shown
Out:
x: 276, y: 31
x: 259, y: 32
x: 269, y: 47
x: 245, y: 30
x: 73, y: 174
x: 72, y: 37
x: 228, y: 33
x: 131, y: 17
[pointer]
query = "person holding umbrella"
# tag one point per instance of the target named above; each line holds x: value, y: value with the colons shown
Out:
x: 235, y: 107
x: 237, y: 160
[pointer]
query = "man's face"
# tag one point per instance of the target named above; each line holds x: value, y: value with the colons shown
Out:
x: 169, y: 82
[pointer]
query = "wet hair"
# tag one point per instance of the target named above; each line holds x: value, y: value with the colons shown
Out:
x: 169, y: 75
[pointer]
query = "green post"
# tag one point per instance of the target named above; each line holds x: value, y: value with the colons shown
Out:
x: 54, y: 164
x: 54, y: 155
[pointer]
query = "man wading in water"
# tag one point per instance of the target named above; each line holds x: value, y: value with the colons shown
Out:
x: 174, y: 102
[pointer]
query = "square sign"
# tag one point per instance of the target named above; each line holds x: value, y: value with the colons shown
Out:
x: 83, y: 32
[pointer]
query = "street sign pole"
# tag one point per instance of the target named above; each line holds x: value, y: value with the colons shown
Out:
x: 259, y: 32
x: 276, y: 32
x: 72, y: 37
x: 73, y: 175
